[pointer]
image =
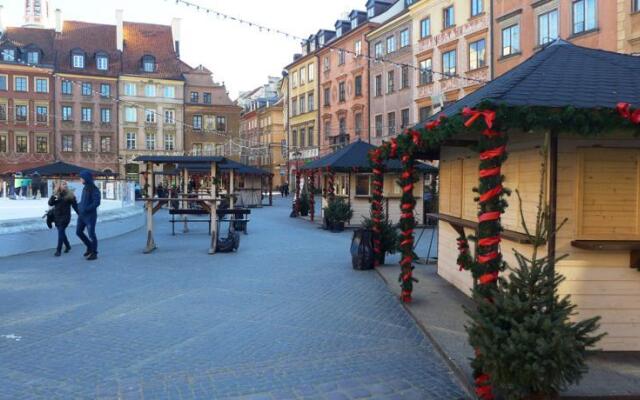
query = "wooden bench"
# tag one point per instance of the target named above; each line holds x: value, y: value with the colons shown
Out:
x: 188, y: 211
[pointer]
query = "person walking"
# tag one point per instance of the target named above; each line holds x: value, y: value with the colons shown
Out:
x: 286, y: 189
x: 36, y: 182
x: 62, y: 201
x: 88, y: 215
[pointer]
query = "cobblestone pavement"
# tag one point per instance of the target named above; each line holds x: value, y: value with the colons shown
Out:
x: 284, y: 318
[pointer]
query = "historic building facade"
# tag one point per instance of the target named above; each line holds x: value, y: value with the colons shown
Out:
x: 151, y: 91
x: 271, y: 133
x: 86, y: 92
x: 451, y: 48
x: 27, y: 118
x: 212, y: 119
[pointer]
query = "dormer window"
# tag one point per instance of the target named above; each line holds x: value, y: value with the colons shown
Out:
x: 354, y: 23
x: 77, y: 59
x: 339, y: 32
x: 148, y: 64
x: 9, y: 55
x: 321, y: 40
x: 102, y: 62
x: 371, y: 12
x: 33, y: 57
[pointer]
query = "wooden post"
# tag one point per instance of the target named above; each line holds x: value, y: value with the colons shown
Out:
x: 553, y: 194
x: 151, y: 244
x: 185, y: 196
x: 232, y: 203
x: 213, y: 209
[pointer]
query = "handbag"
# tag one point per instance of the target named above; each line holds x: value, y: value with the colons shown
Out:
x: 49, y: 218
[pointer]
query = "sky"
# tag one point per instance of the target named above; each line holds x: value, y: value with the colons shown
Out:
x: 240, y: 56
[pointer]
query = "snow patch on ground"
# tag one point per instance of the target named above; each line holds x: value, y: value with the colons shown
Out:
x: 11, y: 336
x: 23, y: 209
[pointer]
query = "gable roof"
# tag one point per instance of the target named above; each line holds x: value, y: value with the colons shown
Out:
x: 154, y: 40
x: 41, y: 38
x: 562, y: 75
x: 91, y: 38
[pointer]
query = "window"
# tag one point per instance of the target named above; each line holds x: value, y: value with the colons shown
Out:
x: 294, y: 107
x: 302, y: 136
x: 86, y: 144
x: 170, y: 92
x: 357, y: 118
x: 341, y: 57
x: 404, y: 78
x: 511, y: 40
x: 391, y: 123
x: 363, y: 185
x: 169, y: 141
x: 105, y: 144
x: 310, y: 102
x: 131, y: 140
x: 130, y: 114
x: 547, y: 27
x: 42, y: 144
x: 197, y: 149
x: 195, y: 96
x: 584, y: 15
x: 102, y: 63
x: 303, y: 75
x: 342, y: 94
x: 42, y: 85
x: 311, y: 72
x: 150, y: 90
x: 67, y: 143
x: 310, y: 136
x: 354, y: 23
x: 78, y: 60
x: 378, y: 125
x: 425, y: 112
x: 302, y: 104
x: 150, y: 141
x: 371, y: 12
x: 206, y: 98
x: 22, y: 112
x: 22, y: 144
x: 9, y: 55
x: 476, y: 7
x: 20, y: 84
x: 197, y: 122
x: 67, y: 113
x: 105, y: 115
x: 477, y: 54
x: 209, y: 122
x: 3, y: 82
x: 390, y: 81
x: 327, y: 128
x: 425, y: 28
x: 221, y: 124
x: 3, y: 143
x: 635, y: 7
x: 327, y: 97
x: 148, y: 64
x: 169, y: 116
x: 86, y: 114
x: 449, y: 63
x: 357, y: 48
x: 404, y: 118
x: 358, y: 85
x: 404, y: 38
x: 391, y: 44
x: 294, y: 137
x: 3, y: 112
x: 150, y: 116
x: 294, y: 80
x: 105, y: 90
x: 448, y: 18
x: 130, y: 89
x: 378, y: 85
x: 67, y: 87
x: 326, y: 63
x: 342, y: 125
x: 42, y: 114
x: 87, y: 89
x: 379, y: 51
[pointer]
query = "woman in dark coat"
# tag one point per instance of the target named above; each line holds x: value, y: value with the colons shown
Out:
x: 63, y: 200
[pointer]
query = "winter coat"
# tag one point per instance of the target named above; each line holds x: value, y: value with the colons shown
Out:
x: 90, y: 200
x: 62, y: 204
x: 36, y: 181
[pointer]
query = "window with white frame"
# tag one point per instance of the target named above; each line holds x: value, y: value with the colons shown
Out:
x: 105, y: 115
x: 3, y: 82
x: 169, y: 116
x: 105, y: 144
x: 86, y: 144
x: 378, y: 125
x: 131, y: 140
x: 363, y: 185
x: 477, y: 56
x: 511, y: 40
x: 150, y: 116
x: 150, y: 90
x: 33, y: 57
x: 170, y: 92
x: 67, y: 113
x: 547, y: 27
x: 341, y: 57
x: 130, y: 114
x: 3, y: 144
x: 42, y: 114
x: 448, y: 17
x: 404, y: 38
x: 404, y: 78
x: 20, y: 84
x: 379, y: 50
x: 357, y: 48
x: 378, y: 85
x: 78, y: 60
x: 311, y: 72
x: 67, y: 143
x: 42, y: 85
x: 584, y: 16
x: 102, y: 63
x: 404, y: 118
x: 391, y: 85
x: 476, y: 7
x: 66, y: 87
x: 130, y: 89
x: 22, y: 112
x: 169, y: 141
x: 42, y: 144
x: 391, y: 44
x: 148, y: 63
x: 87, y: 114
x: 449, y: 63
x: 105, y: 90
x: 197, y: 122
x: 150, y: 141
x: 22, y: 144
x: 303, y: 73
x: 87, y: 89
x: 425, y: 28
x: 391, y: 123
x: 9, y: 55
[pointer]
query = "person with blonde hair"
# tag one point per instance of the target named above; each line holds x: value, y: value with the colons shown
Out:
x: 62, y: 201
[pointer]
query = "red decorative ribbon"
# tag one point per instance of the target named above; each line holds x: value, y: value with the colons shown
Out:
x: 485, y: 258
x: 493, y: 153
x: 490, y: 241
x: 394, y: 148
x: 490, y: 194
x: 434, y: 124
x: 489, y: 216
x: 488, y: 278
x: 485, y: 173
x: 489, y: 116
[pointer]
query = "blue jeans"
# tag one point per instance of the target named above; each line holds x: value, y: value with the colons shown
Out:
x: 62, y: 238
x: 88, y: 223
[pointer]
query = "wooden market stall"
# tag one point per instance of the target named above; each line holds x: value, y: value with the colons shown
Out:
x: 575, y: 100
x: 347, y: 173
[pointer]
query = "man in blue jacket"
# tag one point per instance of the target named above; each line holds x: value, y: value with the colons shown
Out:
x: 88, y: 215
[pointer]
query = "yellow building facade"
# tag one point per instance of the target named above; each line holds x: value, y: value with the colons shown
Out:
x: 272, y: 141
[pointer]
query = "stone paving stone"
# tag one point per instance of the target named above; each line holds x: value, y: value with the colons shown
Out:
x: 283, y: 318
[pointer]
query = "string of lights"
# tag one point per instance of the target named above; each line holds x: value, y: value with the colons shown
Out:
x: 331, y: 47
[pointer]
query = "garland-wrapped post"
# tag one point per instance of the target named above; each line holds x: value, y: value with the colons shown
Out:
x: 377, y: 213
x: 312, y: 198
x: 331, y: 189
x: 488, y: 262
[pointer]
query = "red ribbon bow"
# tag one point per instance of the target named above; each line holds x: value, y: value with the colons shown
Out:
x: 624, y: 109
x: 489, y: 116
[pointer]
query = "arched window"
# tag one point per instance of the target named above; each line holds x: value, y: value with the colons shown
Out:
x: 148, y: 63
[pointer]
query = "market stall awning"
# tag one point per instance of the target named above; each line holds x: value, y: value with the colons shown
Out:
x: 355, y: 157
x: 60, y: 168
x: 561, y: 75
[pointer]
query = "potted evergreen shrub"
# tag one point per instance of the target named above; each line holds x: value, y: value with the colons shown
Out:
x: 304, y: 204
x: 389, y: 237
x: 337, y: 213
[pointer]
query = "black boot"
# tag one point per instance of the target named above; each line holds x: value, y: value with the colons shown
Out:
x: 67, y: 249
x: 87, y: 253
x: 92, y: 256
x: 57, y: 253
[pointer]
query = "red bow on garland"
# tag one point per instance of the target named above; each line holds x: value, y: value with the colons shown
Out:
x: 489, y: 116
x: 624, y: 109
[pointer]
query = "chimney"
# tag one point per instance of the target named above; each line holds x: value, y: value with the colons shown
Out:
x: 175, y: 30
x: 58, y: 20
x: 119, y: 30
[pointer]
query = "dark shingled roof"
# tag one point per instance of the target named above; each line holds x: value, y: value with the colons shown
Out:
x: 59, y: 168
x: 562, y: 75
x: 356, y: 155
x: 41, y: 38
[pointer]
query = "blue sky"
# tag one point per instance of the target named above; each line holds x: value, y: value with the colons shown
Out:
x: 238, y: 55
